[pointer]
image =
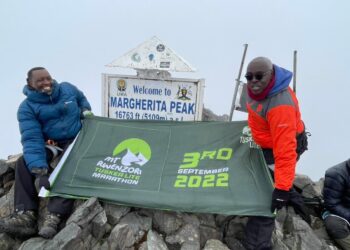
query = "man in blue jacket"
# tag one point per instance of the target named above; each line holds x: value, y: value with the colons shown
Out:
x: 51, y: 114
x: 336, y: 194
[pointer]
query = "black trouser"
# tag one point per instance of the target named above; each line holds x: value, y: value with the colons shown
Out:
x: 259, y: 229
x: 258, y: 233
x: 26, y: 196
x: 339, y: 229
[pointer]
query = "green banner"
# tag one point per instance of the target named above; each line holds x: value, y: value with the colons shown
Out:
x: 209, y: 167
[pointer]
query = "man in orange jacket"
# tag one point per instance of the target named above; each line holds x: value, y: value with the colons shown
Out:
x: 275, y: 121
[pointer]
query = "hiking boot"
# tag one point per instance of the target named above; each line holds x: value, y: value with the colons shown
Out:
x: 21, y: 224
x: 50, y: 226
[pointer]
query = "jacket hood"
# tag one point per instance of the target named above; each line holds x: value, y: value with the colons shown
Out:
x: 282, y: 79
x: 35, y: 96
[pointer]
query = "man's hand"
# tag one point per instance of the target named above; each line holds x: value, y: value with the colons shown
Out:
x: 297, y: 202
x: 41, y: 178
x: 87, y: 113
x: 279, y: 199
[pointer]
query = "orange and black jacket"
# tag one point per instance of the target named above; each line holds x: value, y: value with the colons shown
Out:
x: 275, y: 122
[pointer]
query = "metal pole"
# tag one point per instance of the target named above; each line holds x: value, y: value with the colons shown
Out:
x: 295, y: 72
x: 238, y: 80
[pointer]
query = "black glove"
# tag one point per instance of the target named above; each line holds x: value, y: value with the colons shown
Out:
x: 302, y: 143
x: 41, y: 178
x: 279, y: 199
x: 297, y: 202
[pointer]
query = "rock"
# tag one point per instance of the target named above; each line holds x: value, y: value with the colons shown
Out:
x: 215, y: 245
x: 7, y: 243
x: 89, y: 242
x: 279, y: 245
x: 319, y: 228
x: 220, y: 219
x: 6, y: 203
x: 130, y: 230
x: 85, y: 213
x: 298, y: 235
x: 208, y: 115
x: 7, y: 176
x: 190, y: 245
x: 233, y: 243
x: 4, y: 167
x: 34, y: 244
x: 143, y: 246
x: 166, y: 222
x: 208, y: 233
x: 320, y: 184
x: 69, y: 237
x: 207, y: 220
x: 99, y: 225
x: 101, y: 246
x: 8, y: 180
x: 155, y: 241
x: 115, y: 212
x: 208, y: 229
x: 308, y: 187
x: 187, y: 237
x: 12, y: 160
x: 190, y: 219
x: 121, y: 237
x: 138, y: 224
x: 234, y: 229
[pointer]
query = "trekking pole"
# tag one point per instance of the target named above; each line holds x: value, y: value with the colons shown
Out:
x: 295, y: 72
x: 238, y: 82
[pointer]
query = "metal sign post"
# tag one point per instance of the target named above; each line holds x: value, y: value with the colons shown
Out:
x: 295, y: 72
x: 238, y: 81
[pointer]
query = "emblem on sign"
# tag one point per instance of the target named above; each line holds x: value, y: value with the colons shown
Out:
x: 121, y: 85
x: 183, y: 93
x: 136, y: 57
x: 160, y: 47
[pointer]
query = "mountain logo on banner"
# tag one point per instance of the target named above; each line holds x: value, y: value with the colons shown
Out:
x: 247, y: 138
x: 152, y: 55
x: 246, y: 131
x: 133, y: 151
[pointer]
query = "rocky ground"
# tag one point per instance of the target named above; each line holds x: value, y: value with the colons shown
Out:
x: 99, y: 225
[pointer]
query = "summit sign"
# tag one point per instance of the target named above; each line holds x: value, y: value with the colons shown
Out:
x: 131, y: 98
x: 153, y: 94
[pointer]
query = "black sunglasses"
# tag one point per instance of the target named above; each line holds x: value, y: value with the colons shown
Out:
x: 257, y: 75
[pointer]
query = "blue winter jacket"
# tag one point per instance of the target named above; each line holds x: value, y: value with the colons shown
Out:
x: 42, y: 117
x: 336, y: 190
